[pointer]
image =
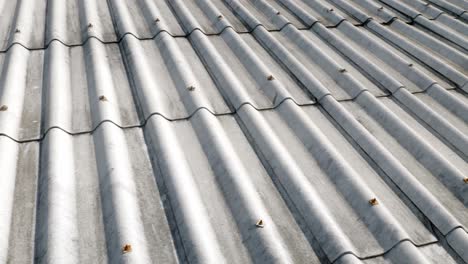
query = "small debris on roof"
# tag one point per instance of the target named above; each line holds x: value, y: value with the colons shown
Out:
x: 3, y: 108
x: 373, y: 201
x: 127, y: 248
x: 102, y: 98
x: 260, y: 224
x: 271, y: 78
x: 191, y: 88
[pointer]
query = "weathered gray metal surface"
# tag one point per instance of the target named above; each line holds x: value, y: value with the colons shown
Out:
x: 349, y: 142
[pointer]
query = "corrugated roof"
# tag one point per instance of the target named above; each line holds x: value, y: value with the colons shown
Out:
x: 290, y: 131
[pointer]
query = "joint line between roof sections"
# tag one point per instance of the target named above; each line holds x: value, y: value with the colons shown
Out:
x: 83, y: 43
x: 386, y: 251
x: 188, y: 117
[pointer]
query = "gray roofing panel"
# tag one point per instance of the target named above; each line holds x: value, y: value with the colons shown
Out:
x: 237, y: 176
x: 236, y: 131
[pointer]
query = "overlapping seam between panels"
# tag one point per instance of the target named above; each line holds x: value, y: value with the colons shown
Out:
x: 439, y: 8
x: 119, y: 39
x: 449, y: 11
x: 313, y: 102
x: 305, y: 27
x: 383, y: 253
x: 418, y: 14
x: 83, y: 43
x: 145, y: 120
x: 396, y: 244
x: 46, y: 45
x: 234, y: 113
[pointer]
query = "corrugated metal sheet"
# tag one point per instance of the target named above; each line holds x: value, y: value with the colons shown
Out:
x: 174, y: 127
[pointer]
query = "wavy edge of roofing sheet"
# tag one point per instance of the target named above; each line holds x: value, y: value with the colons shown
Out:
x: 459, y: 9
x: 443, y: 25
x: 74, y: 24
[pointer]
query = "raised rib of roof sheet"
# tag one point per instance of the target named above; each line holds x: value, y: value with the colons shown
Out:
x: 150, y: 131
